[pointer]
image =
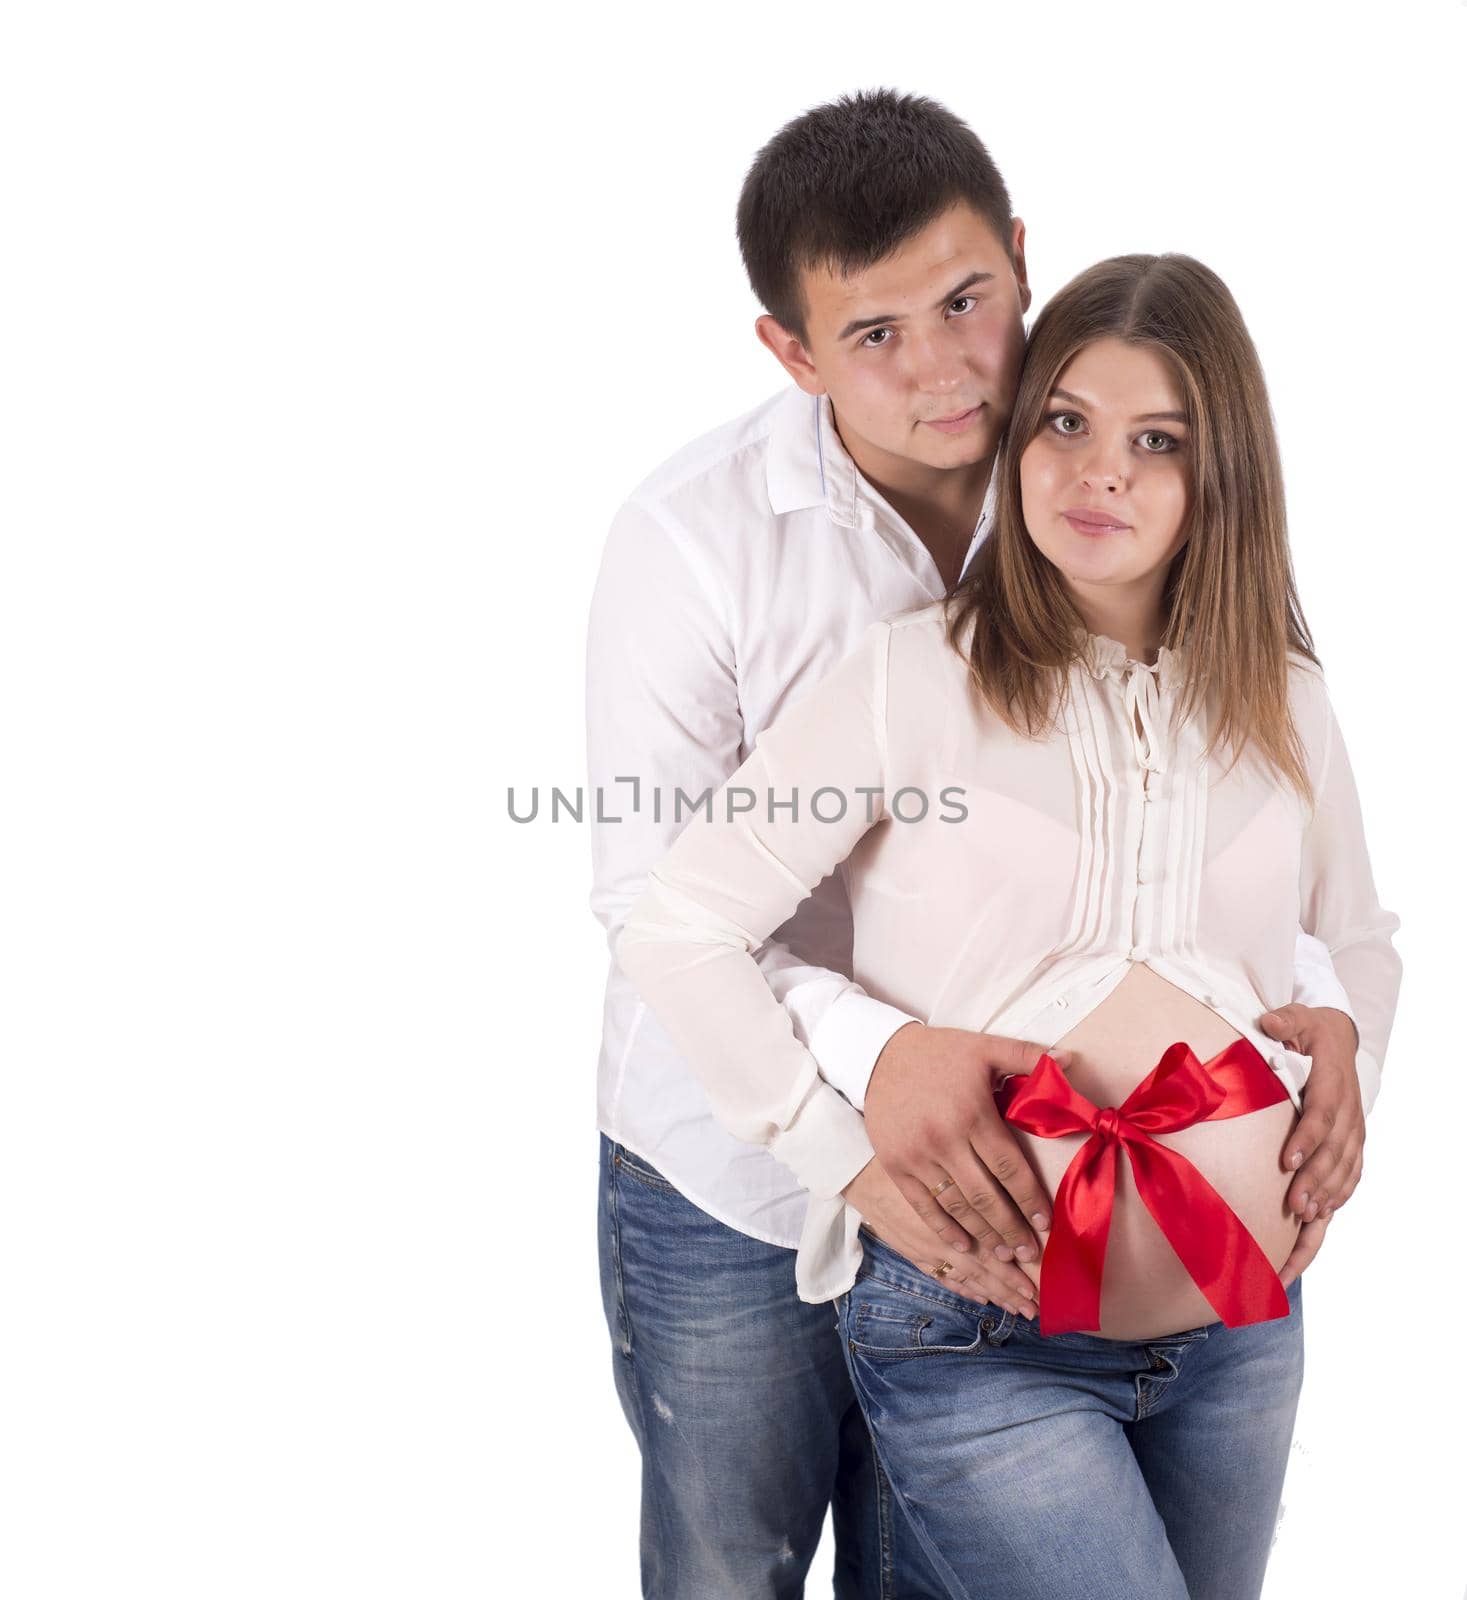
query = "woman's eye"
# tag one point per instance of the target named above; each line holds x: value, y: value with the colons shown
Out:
x: 1058, y: 419
x: 1157, y: 444
x: 872, y: 335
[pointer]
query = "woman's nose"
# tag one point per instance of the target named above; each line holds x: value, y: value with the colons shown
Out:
x: 1103, y: 469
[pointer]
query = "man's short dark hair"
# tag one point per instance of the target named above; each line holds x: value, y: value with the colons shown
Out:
x: 846, y: 183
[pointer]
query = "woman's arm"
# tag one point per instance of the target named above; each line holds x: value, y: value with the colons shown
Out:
x: 1338, y: 902
x: 730, y: 880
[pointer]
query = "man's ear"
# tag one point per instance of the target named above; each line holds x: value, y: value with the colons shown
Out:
x: 789, y: 352
x: 1021, y: 271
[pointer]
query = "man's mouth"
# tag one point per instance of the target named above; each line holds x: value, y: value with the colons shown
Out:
x: 957, y: 422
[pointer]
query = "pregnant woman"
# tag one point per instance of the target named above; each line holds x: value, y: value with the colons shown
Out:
x: 1089, y: 800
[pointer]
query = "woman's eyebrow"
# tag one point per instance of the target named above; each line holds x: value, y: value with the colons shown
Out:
x: 1145, y: 416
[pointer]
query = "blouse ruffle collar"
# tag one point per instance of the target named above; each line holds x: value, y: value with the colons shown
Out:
x: 1105, y: 657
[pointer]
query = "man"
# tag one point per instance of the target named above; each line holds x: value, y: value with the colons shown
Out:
x: 878, y: 236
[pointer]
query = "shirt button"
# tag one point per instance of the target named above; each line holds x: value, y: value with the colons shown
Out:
x: 1062, y: 1004
x: 1138, y: 952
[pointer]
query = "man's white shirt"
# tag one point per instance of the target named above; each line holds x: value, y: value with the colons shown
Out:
x: 734, y: 578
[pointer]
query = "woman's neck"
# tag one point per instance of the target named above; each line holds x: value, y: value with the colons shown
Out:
x: 1134, y: 621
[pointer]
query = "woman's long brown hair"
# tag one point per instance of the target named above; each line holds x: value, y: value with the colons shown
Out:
x: 1230, y: 602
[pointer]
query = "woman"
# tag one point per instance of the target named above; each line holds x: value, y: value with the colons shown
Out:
x: 1089, y: 801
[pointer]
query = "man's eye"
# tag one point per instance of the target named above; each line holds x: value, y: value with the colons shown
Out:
x: 1156, y: 443
x: 872, y: 335
x: 963, y: 303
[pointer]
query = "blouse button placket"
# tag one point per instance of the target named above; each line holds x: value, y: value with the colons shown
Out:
x: 1147, y: 820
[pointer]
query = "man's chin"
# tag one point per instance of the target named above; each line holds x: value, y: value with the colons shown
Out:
x: 956, y: 450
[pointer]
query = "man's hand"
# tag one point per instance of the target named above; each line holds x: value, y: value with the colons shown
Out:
x: 892, y: 1220
x: 1328, y: 1144
x: 930, y: 1116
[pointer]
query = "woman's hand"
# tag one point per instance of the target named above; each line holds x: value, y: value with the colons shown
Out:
x: 886, y: 1213
x: 1329, y: 1137
x: 1306, y: 1247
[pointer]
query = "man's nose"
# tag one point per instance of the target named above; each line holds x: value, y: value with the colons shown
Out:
x: 937, y: 366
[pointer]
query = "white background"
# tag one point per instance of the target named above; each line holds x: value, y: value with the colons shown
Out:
x: 333, y: 335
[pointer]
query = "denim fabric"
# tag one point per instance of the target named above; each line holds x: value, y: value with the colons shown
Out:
x: 738, y: 1396
x: 1073, y: 1467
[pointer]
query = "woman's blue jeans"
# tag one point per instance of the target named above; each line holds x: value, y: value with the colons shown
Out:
x: 739, y: 1399
x: 1073, y: 1467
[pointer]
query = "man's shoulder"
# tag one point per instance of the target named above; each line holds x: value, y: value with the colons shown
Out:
x: 721, y: 471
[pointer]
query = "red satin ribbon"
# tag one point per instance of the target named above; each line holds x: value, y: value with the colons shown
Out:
x: 1223, y: 1257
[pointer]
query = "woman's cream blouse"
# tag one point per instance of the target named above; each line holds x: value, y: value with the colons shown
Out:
x: 997, y: 883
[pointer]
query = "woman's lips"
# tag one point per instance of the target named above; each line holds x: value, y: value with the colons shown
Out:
x: 1094, y: 522
x: 957, y: 423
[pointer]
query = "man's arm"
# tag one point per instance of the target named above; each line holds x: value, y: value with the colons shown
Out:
x: 1340, y: 910
x: 1316, y: 983
x: 662, y: 714
x: 727, y: 883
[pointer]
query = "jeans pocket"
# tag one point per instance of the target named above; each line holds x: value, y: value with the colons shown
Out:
x: 888, y: 1323
x: 633, y: 1167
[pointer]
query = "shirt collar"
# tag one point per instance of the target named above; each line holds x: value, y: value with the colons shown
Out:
x: 809, y: 466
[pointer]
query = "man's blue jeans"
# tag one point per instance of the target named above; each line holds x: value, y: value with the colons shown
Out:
x: 738, y: 1395
x: 1058, y: 1468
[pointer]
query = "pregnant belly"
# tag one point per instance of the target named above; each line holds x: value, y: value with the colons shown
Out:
x: 1145, y: 1290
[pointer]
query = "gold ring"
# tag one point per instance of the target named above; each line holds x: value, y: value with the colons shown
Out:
x: 942, y: 1268
x: 946, y: 1183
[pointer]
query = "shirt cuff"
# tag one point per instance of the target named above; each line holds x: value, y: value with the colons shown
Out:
x: 1316, y: 983
x: 1367, y: 1069
x: 826, y: 1144
x: 848, y: 1039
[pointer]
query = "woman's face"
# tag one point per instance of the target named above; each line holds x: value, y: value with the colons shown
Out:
x: 1106, y: 481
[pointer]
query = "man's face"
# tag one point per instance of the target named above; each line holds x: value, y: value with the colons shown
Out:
x: 920, y: 353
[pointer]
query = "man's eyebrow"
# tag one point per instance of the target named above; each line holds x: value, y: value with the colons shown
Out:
x: 952, y: 294
x: 1145, y: 416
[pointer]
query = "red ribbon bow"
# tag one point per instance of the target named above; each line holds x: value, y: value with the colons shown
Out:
x: 1223, y: 1258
